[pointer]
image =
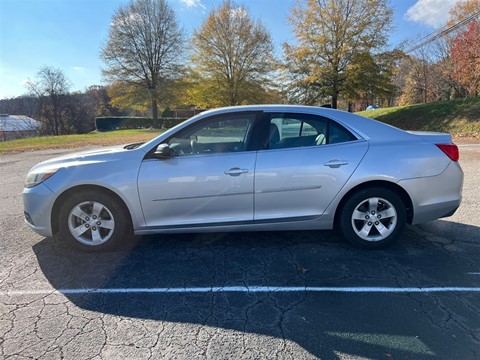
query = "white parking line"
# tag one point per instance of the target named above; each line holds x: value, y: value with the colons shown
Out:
x: 243, y: 289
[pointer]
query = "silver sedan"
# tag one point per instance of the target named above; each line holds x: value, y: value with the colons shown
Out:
x: 250, y: 168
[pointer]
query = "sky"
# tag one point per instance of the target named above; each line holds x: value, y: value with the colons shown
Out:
x: 69, y: 34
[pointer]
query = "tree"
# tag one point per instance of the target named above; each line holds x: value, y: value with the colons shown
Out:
x: 51, y: 88
x: 22, y: 105
x: 97, y: 98
x: 370, y: 78
x: 133, y: 98
x: 444, y: 84
x: 129, y: 97
x: 466, y: 58
x: 462, y: 10
x: 144, y: 49
x: 329, y: 34
x: 78, y: 113
x: 232, y: 53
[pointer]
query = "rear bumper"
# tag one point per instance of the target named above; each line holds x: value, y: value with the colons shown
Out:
x: 436, y: 196
x: 450, y: 213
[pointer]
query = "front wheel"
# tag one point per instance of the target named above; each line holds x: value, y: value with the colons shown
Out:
x: 93, y: 221
x: 372, y: 218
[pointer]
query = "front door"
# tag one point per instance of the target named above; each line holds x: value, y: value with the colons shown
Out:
x: 208, y: 180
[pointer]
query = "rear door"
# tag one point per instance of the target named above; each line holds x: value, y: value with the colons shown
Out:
x: 305, y: 162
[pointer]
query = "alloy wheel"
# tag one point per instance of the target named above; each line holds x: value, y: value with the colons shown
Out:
x: 374, y: 219
x: 91, y: 223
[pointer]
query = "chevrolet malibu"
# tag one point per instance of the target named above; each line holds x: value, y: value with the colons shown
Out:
x: 250, y: 168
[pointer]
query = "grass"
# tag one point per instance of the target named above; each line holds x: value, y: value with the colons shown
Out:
x: 94, y: 138
x: 459, y: 117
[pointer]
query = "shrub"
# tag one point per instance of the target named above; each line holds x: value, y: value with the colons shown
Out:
x: 108, y: 123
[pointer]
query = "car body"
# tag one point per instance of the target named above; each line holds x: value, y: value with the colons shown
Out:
x: 250, y: 168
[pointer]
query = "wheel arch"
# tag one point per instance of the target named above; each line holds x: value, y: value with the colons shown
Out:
x: 404, y: 196
x: 58, y: 202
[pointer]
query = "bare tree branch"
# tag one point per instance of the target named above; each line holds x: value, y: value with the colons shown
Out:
x: 145, y: 47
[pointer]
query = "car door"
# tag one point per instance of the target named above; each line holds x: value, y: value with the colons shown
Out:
x: 305, y: 162
x: 209, y: 178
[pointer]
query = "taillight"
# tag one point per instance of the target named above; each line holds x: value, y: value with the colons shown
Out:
x: 451, y: 150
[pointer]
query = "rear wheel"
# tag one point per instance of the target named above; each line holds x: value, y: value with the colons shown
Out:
x: 372, y: 218
x: 94, y: 221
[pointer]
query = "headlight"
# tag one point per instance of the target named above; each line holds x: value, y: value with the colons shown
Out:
x: 38, y: 176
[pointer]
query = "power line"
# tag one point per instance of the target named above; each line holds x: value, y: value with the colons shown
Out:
x: 442, y: 32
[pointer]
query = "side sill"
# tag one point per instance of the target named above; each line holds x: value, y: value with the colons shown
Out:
x: 233, y: 224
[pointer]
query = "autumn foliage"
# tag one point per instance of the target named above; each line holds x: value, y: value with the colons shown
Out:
x: 465, y: 56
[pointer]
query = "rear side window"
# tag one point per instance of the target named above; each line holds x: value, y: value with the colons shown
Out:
x: 287, y: 130
x: 338, y: 134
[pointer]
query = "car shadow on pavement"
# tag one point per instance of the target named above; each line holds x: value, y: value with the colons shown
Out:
x: 326, y: 324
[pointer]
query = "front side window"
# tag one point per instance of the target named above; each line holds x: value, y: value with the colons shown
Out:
x: 220, y: 134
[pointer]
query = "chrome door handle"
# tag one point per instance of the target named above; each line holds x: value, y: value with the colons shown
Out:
x: 236, y: 171
x: 336, y: 163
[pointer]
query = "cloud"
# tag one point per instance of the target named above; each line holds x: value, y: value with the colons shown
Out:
x: 193, y: 3
x: 434, y: 13
x: 78, y: 68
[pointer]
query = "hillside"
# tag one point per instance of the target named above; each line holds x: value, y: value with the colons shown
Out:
x: 459, y: 117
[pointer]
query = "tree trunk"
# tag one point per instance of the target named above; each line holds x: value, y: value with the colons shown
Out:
x: 55, y: 115
x: 55, y: 120
x: 334, y: 101
x: 155, y: 110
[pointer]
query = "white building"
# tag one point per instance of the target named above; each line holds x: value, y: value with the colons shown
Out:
x: 18, y: 126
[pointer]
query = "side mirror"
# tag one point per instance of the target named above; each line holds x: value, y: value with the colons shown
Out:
x: 163, y: 151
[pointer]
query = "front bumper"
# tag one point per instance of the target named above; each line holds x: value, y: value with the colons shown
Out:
x: 37, y: 204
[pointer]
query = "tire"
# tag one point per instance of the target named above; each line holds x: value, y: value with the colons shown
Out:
x: 94, y: 221
x: 372, y: 218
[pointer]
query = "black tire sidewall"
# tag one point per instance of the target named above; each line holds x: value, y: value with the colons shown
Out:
x: 121, y: 233
x: 345, y: 223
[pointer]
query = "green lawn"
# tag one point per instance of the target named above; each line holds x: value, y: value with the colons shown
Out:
x: 459, y: 117
x: 94, y: 138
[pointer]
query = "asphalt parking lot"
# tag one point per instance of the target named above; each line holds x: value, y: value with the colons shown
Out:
x: 289, y: 295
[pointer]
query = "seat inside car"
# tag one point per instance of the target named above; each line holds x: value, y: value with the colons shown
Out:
x: 274, y: 137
